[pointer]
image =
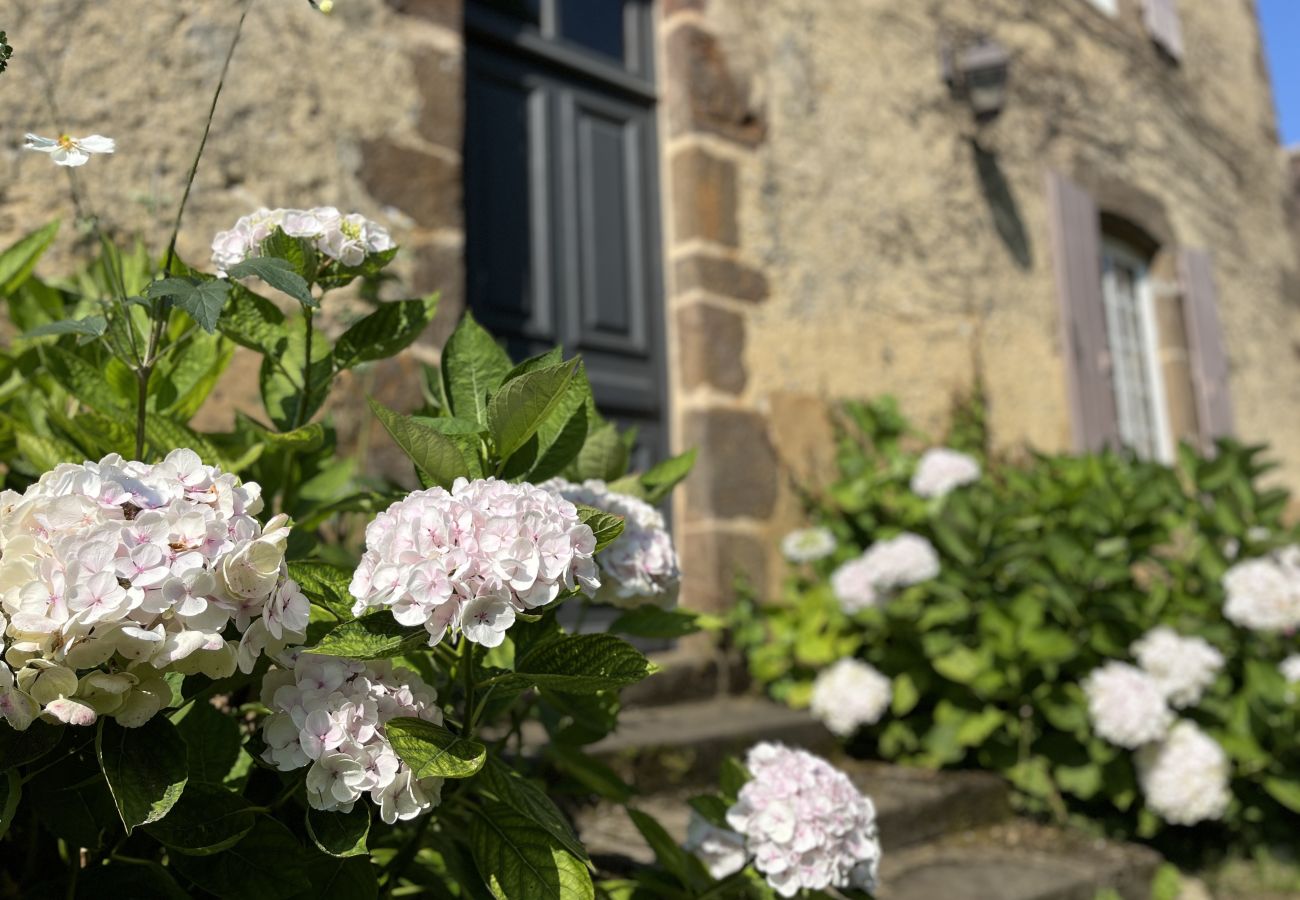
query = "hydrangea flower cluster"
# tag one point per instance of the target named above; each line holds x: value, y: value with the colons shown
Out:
x: 1264, y: 593
x: 112, y: 573
x: 804, y: 823
x: 330, y: 713
x: 1183, y: 667
x: 1184, y: 777
x: 1127, y: 706
x: 807, y: 545
x: 850, y: 694
x: 941, y: 470
x: 641, y: 565
x: 1290, y: 668
x: 348, y: 239
x: 466, y: 560
x: 885, y: 567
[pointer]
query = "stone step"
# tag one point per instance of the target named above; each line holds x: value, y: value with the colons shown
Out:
x: 1017, y: 860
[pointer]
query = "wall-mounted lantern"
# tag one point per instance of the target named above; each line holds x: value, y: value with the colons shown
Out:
x: 977, y: 73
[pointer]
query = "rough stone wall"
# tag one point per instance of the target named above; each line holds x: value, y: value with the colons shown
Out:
x: 886, y: 244
x: 361, y: 109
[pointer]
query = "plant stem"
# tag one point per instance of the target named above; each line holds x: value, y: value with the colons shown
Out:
x: 162, y: 307
x: 467, y: 662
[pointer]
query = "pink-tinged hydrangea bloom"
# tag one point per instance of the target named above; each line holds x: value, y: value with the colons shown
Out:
x: 886, y: 566
x: 1126, y: 705
x: 1184, y: 778
x: 467, y: 560
x: 348, y: 239
x: 1263, y: 594
x: 807, y: 545
x: 850, y: 694
x: 941, y: 470
x: 640, y: 566
x: 1183, y: 667
x: 330, y: 713
x: 805, y: 825
x: 138, y: 568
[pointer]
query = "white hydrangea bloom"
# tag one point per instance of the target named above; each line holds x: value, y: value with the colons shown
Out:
x: 640, y: 566
x: 940, y: 470
x: 348, y: 239
x: 138, y: 569
x: 467, y: 560
x: 720, y: 849
x: 1185, y: 777
x: 330, y: 713
x: 805, y: 825
x: 1264, y: 593
x: 1183, y: 667
x: 885, y: 567
x: 850, y: 694
x: 808, y: 545
x: 1126, y: 705
x: 1290, y: 668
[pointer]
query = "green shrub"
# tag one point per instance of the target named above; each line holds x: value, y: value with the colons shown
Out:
x: 1050, y: 566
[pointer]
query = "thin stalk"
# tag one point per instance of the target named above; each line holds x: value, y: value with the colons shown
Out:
x: 301, y: 404
x: 162, y: 307
x: 467, y: 662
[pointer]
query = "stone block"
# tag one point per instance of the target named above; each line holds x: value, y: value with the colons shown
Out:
x: 441, y: 81
x: 712, y: 561
x: 443, y: 12
x: 712, y: 346
x: 704, y: 197
x: 426, y: 186
x: 736, y: 470
x: 703, y: 92
x: 720, y: 276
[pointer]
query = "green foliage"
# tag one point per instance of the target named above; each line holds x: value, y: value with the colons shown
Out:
x: 1050, y: 566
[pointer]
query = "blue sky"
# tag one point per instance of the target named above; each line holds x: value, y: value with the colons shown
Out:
x: 1281, y: 23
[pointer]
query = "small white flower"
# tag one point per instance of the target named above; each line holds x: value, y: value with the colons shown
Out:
x: 1263, y: 594
x: 940, y: 470
x: 1184, y: 777
x: 850, y: 694
x: 720, y: 849
x: 1126, y: 705
x: 1183, y: 667
x: 885, y: 567
x: 808, y: 544
x: 66, y: 150
x: 1290, y: 668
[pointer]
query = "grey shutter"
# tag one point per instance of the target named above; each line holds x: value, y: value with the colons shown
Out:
x: 1076, y: 245
x: 1164, y: 25
x: 1205, y: 340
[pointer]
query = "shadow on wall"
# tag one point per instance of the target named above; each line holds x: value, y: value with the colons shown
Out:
x: 1002, y: 206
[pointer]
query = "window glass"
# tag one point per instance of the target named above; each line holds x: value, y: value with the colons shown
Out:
x: 1135, y: 375
x: 597, y: 25
x: 529, y: 11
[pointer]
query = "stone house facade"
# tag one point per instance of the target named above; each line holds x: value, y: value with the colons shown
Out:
x: 743, y: 211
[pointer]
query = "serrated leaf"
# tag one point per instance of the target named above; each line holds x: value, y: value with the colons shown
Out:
x: 604, y: 455
x: 325, y: 585
x: 340, y: 834
x: 450, y: 425
x: 18, y: 748
x: 605, y: 526
x: 267, y: 864
x: 433, y: 453
x: 299, y: 253
x: 581, y: 664
x: 342, y: 879
x: 519, y: 408
x: 684, y: 866
x: 252, y: 321
x: 649, y: 621
x: 90, y: 326
x: 431, y: 750
x: 84, y: 382
x: 202, y: 299
x: 206, y: 819
x: 376, y: 636
x: 509, y: 787
x: 279, y: 274
x: 473, y: 366
x: 212, y: 741
x: 145, y: 768
x: 518, y: 859
x: 660, y: 480
x: 388, y: 330
x: 19, y: 259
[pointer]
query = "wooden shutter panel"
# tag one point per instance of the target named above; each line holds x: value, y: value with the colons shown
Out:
x: 1076, y: 245
x: 1164, y: 25
x: 1205, y: 341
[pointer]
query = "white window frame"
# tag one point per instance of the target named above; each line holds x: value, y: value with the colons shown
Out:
x: 1159, y: 444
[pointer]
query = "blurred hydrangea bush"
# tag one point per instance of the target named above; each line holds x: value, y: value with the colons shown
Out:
x: 1115, y: 636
